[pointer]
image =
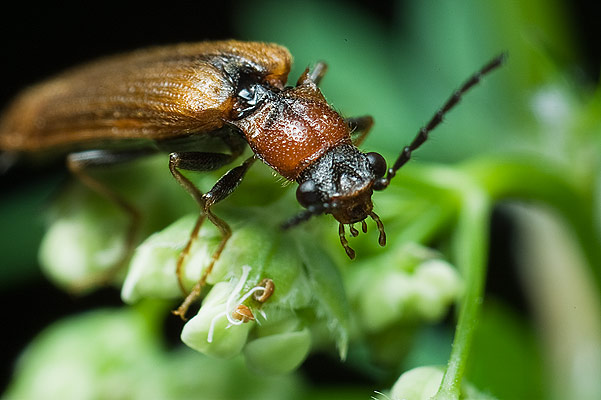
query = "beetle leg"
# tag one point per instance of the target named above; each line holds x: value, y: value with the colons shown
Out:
x: 315, y: 75
x: 222, y: 188
x: 7, y: 161
x: 193, y: 161
x: 360, y: 127
x: 78, y: 163
x: 318, y: 72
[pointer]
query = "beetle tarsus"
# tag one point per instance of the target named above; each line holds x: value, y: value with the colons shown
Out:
x: 184, y: 253
x: 194, y: 294
x: 78, y: 164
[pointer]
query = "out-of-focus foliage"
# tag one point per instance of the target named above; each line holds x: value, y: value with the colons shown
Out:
x: 117, y: 354
x: 529, y: 133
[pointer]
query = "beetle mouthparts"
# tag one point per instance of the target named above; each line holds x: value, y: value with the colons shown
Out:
x: 354, y: 233
x: 382, y: 237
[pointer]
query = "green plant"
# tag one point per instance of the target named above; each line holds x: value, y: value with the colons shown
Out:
x: 527, y: 135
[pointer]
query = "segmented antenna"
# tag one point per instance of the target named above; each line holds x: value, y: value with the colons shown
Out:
x: 302, y: 217
x: 451, y: 102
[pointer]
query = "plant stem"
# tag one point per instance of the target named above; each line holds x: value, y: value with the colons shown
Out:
x: 471, y: 250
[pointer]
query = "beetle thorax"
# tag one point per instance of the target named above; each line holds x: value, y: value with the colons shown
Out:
x: 293, y: 129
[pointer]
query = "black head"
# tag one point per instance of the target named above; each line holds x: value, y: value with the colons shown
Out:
x: 341, y: 183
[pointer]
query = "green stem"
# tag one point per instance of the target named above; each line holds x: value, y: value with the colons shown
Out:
x: 471, y: 251
x: 481, y: 183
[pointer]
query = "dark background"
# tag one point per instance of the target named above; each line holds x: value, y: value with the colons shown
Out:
x: 43, y: 39
x: 40, y: 40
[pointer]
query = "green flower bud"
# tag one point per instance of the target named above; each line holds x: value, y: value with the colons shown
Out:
x: 436, y: 286
x: 86, y: 237
x: 85, y: 241
x: 278, y: 353
x: 304, y: 277
x: 92, y: 356
x: 152, y: 269
x: 422, y: 383
x: 113, y: 354
x: 214, y: 330
x: 409, y: 285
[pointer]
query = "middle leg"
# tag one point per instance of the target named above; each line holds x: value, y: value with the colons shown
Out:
x: 222, y: 188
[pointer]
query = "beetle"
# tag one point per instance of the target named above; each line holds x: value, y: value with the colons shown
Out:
x: 177, y: 98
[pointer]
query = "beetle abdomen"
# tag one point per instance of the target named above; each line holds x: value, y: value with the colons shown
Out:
x: 155, y: 94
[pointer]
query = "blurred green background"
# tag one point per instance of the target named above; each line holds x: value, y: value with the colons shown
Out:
x: 536, y: 123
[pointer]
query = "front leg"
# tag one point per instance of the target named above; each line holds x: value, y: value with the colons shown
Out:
x: 360, y: 127
x: 222, y: 188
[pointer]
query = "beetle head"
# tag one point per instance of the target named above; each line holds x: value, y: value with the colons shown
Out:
x: 341, y: 183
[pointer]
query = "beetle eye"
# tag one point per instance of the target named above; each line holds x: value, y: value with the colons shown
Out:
x: 307, y: 193
x: 378, y: 164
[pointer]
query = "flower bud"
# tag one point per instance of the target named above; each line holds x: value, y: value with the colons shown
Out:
x: 213, y: 330
x: 152, y: 269
x: 80, y: 245
x: 387, y: 290
x: 422, y: 383
x: 278, y: 353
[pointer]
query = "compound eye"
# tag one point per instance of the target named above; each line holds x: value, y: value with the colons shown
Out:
x: 307, y: 193
x: 378, y: 164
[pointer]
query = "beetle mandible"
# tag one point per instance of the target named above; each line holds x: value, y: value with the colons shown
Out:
x: 174, y: 98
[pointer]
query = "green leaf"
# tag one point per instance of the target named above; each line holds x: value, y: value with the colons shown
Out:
x: 506, y: 350
x: 326, y: 285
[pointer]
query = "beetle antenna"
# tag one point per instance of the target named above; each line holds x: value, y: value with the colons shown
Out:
x: 451, y: 102
x: 302, y: 216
